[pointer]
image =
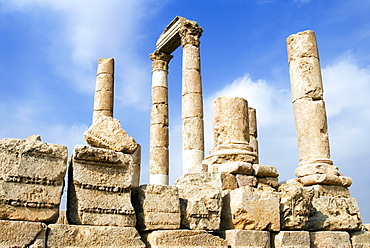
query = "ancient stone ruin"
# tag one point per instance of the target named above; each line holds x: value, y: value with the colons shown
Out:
x: 223, y: 199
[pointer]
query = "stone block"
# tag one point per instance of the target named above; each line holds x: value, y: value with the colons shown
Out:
x: 316, y: 168
x: 157, y: 207
x: 247, y: 208
x: 246, y: 238
x: 322, y: 190
x: 260, y: 170
x: 325, y: 179
x: 330, y: 213
x: 360, y: 239
x: 244, y: 180
x: 325, y: 239
x: 295, y: 206
x: 201, y: 200
x: 93, y: 236
x: 236, y: 167
x: 22, y: 234
x: 31, y: 179
x: 242, y: 153
x: 287, y: 239
x: 270, y: 181
x: 106, y: 132
x: 182, y: 238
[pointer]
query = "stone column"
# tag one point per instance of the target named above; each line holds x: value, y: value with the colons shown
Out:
x: 159, y: 141
x: 104, y: 89
x: 253, y: 142
x: 308, y: 102
x: 192, y: 100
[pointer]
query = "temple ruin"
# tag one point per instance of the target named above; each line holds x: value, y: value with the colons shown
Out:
x: 223, y: 199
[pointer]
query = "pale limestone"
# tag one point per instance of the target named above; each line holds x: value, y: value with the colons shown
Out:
x: 316, y: 168
x: 295, y: 206
x: 247, y: 238
x: 22, y: 234
x: 200, y: 199
x: 183, y: 238
x: 360, y: 239
x: 157, y: 207
x: 270, y: 181
x: 325, y: 179
x: 321, y: 190
x: 31, y: 179
x: 244, y: 180
x: 330, y: 213
x: 331, y: 239
x: 247, y: 208
x: 260, y: 170
x: 236, y: 167
x: 106, y: 132
x: 287, y: 239
x: 93, y: 236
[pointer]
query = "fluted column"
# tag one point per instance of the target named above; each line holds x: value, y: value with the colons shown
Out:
x: 159, y: 138
x: 104, y: 89
x: 192, y: 100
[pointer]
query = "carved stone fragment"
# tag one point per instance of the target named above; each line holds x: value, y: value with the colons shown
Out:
x: 106, y: 132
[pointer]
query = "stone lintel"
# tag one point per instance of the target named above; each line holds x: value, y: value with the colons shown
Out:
x: 170, y: 39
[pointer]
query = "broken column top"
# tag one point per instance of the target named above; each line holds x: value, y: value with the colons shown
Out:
x: 105, y: 66
x: 297, y: 50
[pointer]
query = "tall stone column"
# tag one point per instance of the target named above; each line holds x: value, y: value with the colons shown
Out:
x: 104, y: 89
x: 192, y: 100
x: 253, y: 142
x: 309, y: 105
x: 159, y: 140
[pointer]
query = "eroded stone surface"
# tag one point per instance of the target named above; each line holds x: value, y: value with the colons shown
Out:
x: 260, y: 170
x: 244, y: 180
x: 247, y: 238
x: 22, y: 234
x: 31, y: 179
x: 296, y: 239
x: 331, y: 239
x: 360, y: 239
x: 93, y: 236
x: 325, y: 179
x: 106, y: 132
x: 157, y: 207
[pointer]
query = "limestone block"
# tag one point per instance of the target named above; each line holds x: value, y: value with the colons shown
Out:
x: 106, y: 132
x: 325, y: 179
x: 192, y: 105
x: 157, y: 207
x: 158, y: 162
x: 270, y: 181
x: 247, y: 238
x: 183, y: 238
x: 247, y: 208
x: 231, y: 155
x: 159, y: 114
x: 302, y: 45
x: 260, y: 170
x: 105, y: 65
x: 31, y: 179
x: 317, y: 168
x: 236, y: 167
x: 287, y: 239
x: 295, y: 206
x: 244, y: 180
x: 321, y: 190
x: 190, y: 83
x: 365, y: 227
x: 192, y: 134
x: 93, y: 236
x: 360, y: 239
x: 22, y: 234
x: 191, y: 58
x: 331, y: 239
x: 200, y: 200
x: 159, y: 135
x: 159, y: 95
x: 330, y: 213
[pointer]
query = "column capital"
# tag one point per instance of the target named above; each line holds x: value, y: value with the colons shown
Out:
x: 160, y: 60
x: 190, y: 33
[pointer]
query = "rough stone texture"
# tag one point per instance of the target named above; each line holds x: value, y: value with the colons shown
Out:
x: 260, y: 170
x: 236, y: 167
x: 99, y: 187
x: 201, y: 200
x: 330, y: 239
x: 286, y: 239
x: 62, y: 218
x: 31, y: 179
x: 316, y: 168
x: 253, y: 142
x: 182, y: 238
x: 270, y: 181
x: 106, y: 132
x: 250, y: 209
x: 22, y: 234
x: 295, y: 206
x: 157, y: 207
x: 329, y: 191
x: 246, y: 238
x: 325, y: 179
x: 330, y: 213
x: 360, y: 239
x: 244, y: 180
x: 93, y: 236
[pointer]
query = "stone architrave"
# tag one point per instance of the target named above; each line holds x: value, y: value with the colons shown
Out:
x: 247, y: 238
x: 247, y: 208
x: 182, y: 238
x: 156, y: 207
x: 106, y: 132
x: 296, y: 239
x: 100, y: 183
x: 93, y: 236
x: 159, y: 131
x: 326, y: 239
x: 104, y: 89
x: 22, y: 234
x: 31, y: 179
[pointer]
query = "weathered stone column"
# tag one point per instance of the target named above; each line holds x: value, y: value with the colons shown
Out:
x: 192, y: 100
x: 253, y: 142
x: 104, y: 89
x: 159, y: 141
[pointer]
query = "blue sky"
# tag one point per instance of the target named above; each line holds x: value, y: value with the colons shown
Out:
x: 49, y: 51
